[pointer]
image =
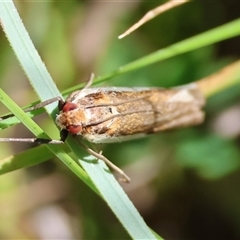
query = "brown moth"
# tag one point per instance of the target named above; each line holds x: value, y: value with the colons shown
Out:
x: 106, y: 115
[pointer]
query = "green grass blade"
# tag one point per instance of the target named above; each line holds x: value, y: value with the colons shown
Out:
x: 28, y: 158
x: 218, y: 34
x: 215, y: 35
x: 113, y: 194
x: 43, y: 84
x: 109, y: 187
x: 37, y: 131
x: 11, y: 121
x: 26, y: 53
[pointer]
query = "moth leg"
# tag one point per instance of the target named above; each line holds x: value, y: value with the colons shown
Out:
x: 124, y: 178
x: 32, y: 140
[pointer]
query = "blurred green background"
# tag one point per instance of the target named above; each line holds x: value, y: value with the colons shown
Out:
x: 185, y: 183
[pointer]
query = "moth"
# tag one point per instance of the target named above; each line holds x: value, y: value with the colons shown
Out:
x: 106, y: 115
x: 113, y: 114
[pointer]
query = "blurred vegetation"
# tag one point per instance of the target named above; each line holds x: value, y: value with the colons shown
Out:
x: 185, y: 182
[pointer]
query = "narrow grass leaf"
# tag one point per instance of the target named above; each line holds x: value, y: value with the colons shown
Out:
x: 43, y: 84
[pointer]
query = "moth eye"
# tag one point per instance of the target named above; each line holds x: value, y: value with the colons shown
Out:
x: 69, y: 107
x: 74, y: 129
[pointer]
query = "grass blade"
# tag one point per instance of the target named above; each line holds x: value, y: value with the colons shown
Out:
x: 108, y: 187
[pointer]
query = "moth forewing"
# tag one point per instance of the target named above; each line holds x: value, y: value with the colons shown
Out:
x: 104, y: 115
x: 182, y: 109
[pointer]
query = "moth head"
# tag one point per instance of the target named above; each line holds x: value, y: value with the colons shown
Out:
x: 70, y: 118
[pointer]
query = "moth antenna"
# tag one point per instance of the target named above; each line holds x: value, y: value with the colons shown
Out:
x: 35, y: 107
